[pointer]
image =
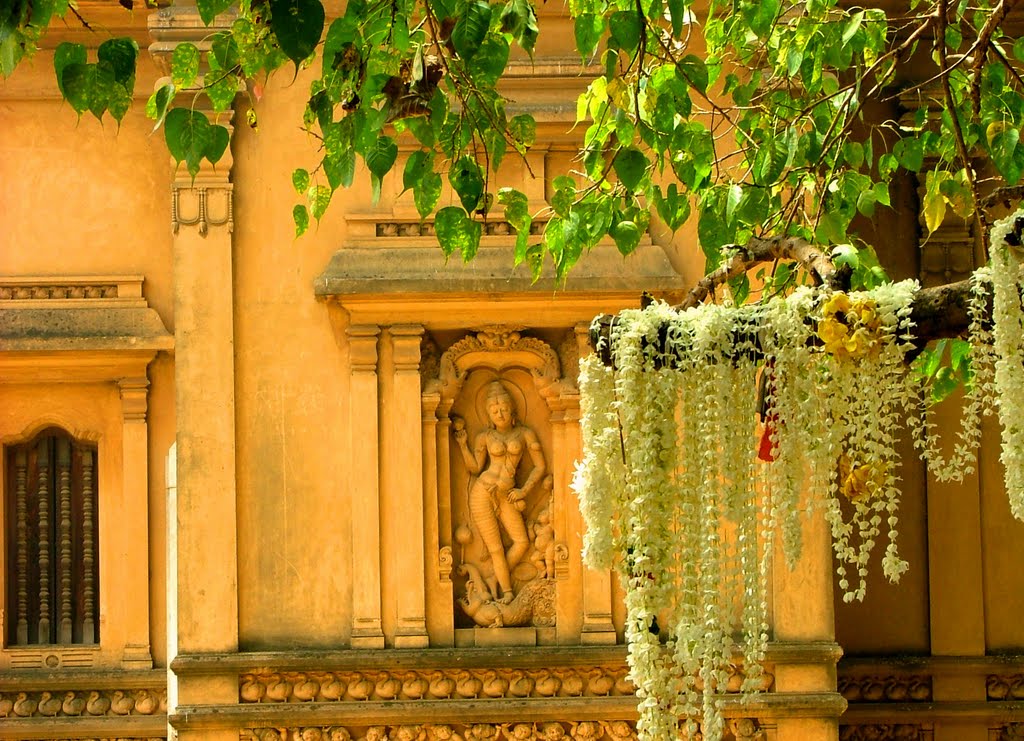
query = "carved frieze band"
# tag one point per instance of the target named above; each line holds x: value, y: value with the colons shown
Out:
x: 882, y: 732
x: 75, y: 703
x: 1004, y: 687
x: 741, y: 729
x: 453, y: 684
x: 879, y: 688
x: 446, y: 684
x: 426, y: 229
x: 1010, y: 732
x: 57, y: 291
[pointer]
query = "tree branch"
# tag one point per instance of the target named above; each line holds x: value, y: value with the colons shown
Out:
x: 937, y: 312
x: 759, y: 250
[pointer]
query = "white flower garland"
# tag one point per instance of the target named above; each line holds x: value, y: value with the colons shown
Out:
x: 671, y: 493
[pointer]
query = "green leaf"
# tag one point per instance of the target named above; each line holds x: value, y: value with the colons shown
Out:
x: 626, y: 235
x: 467, y: 180
x: 624, y: 27
x: 489, y: 61
x: 300, y: 215
x: 189, y: 136
x: 300, y: 180
x: 340, y: 167
x: 156, y: 106
x: 380, y: 158
x: 630, y: 166
x: 517, y: 213
x: 221, y: 88
x: 220, y: 138
x: 588, y: 28
x: 456, y: 231
x: 77, y: 79
x: 210, y: 9
x: 298, y: 25
x: 673, y: 207
x: 426, y: 194
x: 679, y: 13
x: 319, y: 197
x: 523, y: 129
x: 122, y: 55
x: 1003, y: 147
x: 694, y: 71
x: 224, y: 50
x: 64, y: 56
x: 471, y: 28
x: 419, y: 164
x: 184, y: 65
x: 910, y: 153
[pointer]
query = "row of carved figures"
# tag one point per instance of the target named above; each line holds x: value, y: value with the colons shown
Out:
x: 82, y: 702
x: 432, y: 685
x: 1009, y: 687
x: 740, y: 729
x: 907, y: 688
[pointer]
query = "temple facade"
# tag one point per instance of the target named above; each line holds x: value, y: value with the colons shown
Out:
x: 317, y: 489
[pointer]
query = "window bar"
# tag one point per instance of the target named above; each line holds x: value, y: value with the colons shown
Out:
x: 88, y: 558
x: 21, y: 493
x: 43, y: 489
x: 64, y: 562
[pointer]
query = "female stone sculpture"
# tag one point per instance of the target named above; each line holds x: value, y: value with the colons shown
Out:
x: 495, y: 502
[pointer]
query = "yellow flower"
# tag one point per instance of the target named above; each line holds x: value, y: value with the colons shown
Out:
x: 861, y: 482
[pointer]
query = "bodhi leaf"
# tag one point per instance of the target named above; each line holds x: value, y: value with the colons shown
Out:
x: 210, y: 9
x: 300, y: 180
x: 517, y: 213
x: 588, y: 29
x: 427, y: 193
x: 190, y: 137
x: 184, y: 65
x: 297, y: 25
x: 121, y: 54
x: 630, y: 166
x: 319, y: 199
x: 65, y: 55
x: 471, y: 28
x: 156, y: 106
x: 456, y: 231
x: 300, y: 215
x: 467, y: 180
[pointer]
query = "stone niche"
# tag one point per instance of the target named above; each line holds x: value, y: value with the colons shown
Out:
x: 502, y: 457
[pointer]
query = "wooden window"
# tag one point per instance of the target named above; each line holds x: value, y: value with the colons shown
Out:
x: 50, y: 515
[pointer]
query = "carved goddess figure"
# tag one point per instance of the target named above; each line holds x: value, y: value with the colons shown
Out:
x: 495, y: 502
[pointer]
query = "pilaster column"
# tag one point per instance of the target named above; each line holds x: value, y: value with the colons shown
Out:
x: 802, y: 614
x: 134, y: 523
x: 405, y: 487
x: 364, y: 481
x: 203, y: 609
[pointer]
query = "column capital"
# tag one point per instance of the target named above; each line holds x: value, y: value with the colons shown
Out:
x: 134, y: 398
x: 406, y: 340
x: 362, y: 344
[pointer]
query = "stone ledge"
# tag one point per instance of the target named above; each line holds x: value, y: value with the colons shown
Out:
x: 209, y: 717
x: 27, y: 680
x: 84, y: 328
x: 23, y: 729
x: 382, y: 272
x: 196, y: 664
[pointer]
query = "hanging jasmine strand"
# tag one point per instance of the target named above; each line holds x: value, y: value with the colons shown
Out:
x: 674, y: 491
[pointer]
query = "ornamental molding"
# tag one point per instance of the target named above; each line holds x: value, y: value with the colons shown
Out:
x: 441, y: 684
x: 742, y: 729
x: 885, y: 688
x: 498, y: 347
x: 884, y: 732
x: 202, y: 206
x: 1000, y: 687
x: 83, y: 703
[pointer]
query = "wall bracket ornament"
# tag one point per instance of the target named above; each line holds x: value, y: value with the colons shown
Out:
x: 206, y: 206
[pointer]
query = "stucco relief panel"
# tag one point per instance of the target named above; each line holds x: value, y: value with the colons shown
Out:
x: 500, y: 397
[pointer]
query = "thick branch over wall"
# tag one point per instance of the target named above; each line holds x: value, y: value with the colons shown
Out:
x: 937, y: 312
